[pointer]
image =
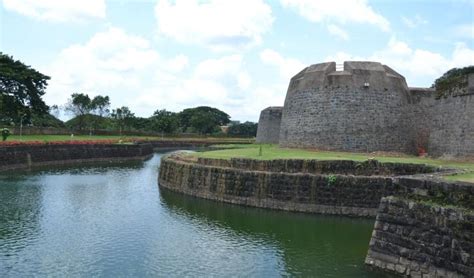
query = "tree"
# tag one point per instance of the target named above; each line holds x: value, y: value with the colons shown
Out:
x: 123, y: 117
x: 21, y: 90
x: 81, y: 105
x: 100, y: 105
x: 451, y: 75
x: 243, y: 129
x: 203, y: 119
x: 203, y: 122
x: 164, y: 121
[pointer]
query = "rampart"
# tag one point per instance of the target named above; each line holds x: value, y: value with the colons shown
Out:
x: 443, y: 118
x: 268, y: 130
x: 368, y: 107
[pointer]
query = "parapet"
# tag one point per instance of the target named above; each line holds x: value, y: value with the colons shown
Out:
x: 359, y: 74
x: 273, y: 109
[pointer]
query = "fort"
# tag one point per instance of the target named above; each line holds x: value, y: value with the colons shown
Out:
x: 367, y: 106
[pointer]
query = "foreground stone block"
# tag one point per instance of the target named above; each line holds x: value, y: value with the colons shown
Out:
x: 418, y: 239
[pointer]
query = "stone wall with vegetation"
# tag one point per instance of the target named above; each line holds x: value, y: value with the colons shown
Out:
x: 313, y: 166
x: 25, y: 156
x: 443, y: 118
x: 329, y: 191
x: 422, y: 239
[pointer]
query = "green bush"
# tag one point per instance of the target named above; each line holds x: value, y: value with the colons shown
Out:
x: 5, y: 134
x: 332, y: 180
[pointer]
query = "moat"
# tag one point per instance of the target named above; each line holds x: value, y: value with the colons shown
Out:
x: 115, y: 221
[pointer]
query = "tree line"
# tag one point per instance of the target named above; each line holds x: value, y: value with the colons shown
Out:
x: 22, y: 89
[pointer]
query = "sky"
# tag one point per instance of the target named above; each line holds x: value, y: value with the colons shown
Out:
x: 235, y: 55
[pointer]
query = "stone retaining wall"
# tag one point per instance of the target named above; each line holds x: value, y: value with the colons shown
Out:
x: 304, y: 192
x: 422, y: 240
x: 25, y: 156
x: 342, y: 167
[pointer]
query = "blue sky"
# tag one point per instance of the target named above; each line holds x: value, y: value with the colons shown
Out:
x: 237, y: 56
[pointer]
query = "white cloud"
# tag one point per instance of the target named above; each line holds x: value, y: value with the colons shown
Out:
x: 109, y: 60
x: 219, y: 82
x: 58, y: 10
x: 340, y: 11
x: 338, y: 32
x: 420, y: 67
x: 287, y: 67
x: 127, y: 68
x: 218, y: 24
x: 178, y: 63
x: 414, y: 22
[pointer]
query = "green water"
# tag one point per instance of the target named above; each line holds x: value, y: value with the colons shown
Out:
x: 114, y: 221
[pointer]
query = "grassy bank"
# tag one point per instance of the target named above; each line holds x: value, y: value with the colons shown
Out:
x: 274, y: 152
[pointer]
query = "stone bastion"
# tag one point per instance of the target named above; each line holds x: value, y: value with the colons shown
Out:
x: 269, y: 125
x: 367, y: 106
x: 360, y: 108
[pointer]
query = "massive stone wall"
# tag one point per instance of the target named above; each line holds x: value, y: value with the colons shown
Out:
x: 268, y: 130
x: 443, y: 119
x: 367, y: 107
x: 358, y: 109
x: 417, y: 239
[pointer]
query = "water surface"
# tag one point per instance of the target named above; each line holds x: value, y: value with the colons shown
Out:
x: 115, y: 221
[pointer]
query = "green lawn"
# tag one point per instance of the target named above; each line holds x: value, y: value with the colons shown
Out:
x: 274, y: 152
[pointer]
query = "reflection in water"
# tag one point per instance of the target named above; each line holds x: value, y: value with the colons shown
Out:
x: 113, y: 221
x: 309, y: 244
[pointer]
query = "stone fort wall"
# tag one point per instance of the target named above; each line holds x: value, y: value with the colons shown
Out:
x: 268, y: 130
x: 358, y: 109
x: 443, y: 119
x: 368, y: 107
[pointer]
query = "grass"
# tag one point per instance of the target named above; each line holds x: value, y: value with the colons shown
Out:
x: 467, y: 177
x: 53, y: 138
x: 274, y: 152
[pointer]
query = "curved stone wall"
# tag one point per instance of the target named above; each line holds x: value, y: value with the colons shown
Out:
x: 361, y: 108
x: 268, y: 130
x: 300, y: 191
